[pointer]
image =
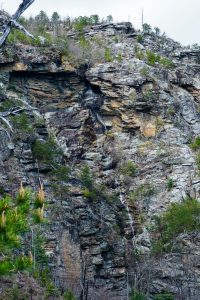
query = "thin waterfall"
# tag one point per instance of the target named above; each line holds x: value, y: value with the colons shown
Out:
x: 125, y: 204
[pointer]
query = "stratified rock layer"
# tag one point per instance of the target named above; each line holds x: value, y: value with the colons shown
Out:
x: 121, y: 111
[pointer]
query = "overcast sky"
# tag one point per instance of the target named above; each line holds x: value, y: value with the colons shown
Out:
x: 180, y: 19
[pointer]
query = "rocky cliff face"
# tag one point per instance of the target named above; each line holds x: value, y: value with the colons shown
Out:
x: 131, y: 120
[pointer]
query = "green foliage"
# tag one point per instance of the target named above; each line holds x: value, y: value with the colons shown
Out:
x: 82, y: 21
x: 135, y: 295
x: 15, y: 293
x: 7, y: 104
x: 44, y: 277
x: 45, y: 151
x: 139, y: 54
x: 129, y: 168
x: 170, y: 184
x: 42, y: 19
x: 164, y: 296
x: 152, y: 58
x: 157, y: 31
x: 108, y: 55
x: 16, y: 36
x: 22, y: 263
x: 5, y: 204
x: 6, y: 267
x: 195, y: 145
x: 39, y: 122
x: 119, y: 58
x: 90, y: 194
x: 94, y: 19
x: 144, y: 71
x: 115, y: 39
x: 166, y: 62
x: 84, y: 43
x: 198, y: 160
x: 109, y: 19
x: 61, y: 173
x: 146, y: 28
x: 21, y: 122
x: 140, y: 39
x: 179, y: 218
x: 13, y: 222
x: 16, y: 221
x: 92, y: 190
x: 86, y: 177
x: 68, y: 295
x: 171, y: 111
x: 148, y: 96
x: 145, y: 190
x: 55, y: 17
x: 38, y: 215
x: 62, y: 44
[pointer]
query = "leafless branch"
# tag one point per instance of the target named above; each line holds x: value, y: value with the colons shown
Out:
x: 13, y: 22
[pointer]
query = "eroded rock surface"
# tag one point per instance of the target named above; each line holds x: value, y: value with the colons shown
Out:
x: 115, y: 112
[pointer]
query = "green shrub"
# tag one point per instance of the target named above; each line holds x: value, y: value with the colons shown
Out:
x: 144, y: 71
x: 119, y: 58
x: 148, y: 96
x: 195, y: 145
x: 39, y: 122
x: 90, y: 194
x: 46, y: 151
x: 81, y: 22
x: 179, y: 218
x: 92, y: 190
x: 140, y: 38
x: 107, y: 55
x: 16, y: 219
x: 135, y: 295
x: 22, y: 123
x: 171, y: 111
x: 86, y: 177
x: 129, y: 168
x: 38, y: 215
x: 170, y: 184
x: 61, y: 173
x: 146, y: 28
x: 145, y: 190
x: 157, y: 31
x: 5, y: 204
x: 166, y: 62
x: 68, y: 295
x: 152, y: 58
x: 6, y: 267
x: 198, y: 160
x: 139, y: 54
x: 62, y: 44
x: 23, y: 263
x: 115, y: 39
x: 164, y: 296
x: 84, y: 43
x: 7, y: 104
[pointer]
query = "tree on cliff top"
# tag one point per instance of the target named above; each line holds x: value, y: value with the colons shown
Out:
x: 14, y: 21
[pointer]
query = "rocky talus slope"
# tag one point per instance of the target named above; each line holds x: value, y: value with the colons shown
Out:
x: 131, y: 119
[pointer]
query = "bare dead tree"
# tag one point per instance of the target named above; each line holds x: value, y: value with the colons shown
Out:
x: 14, y: 21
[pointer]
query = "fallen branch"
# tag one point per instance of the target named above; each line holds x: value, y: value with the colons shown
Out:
x: 13, y: 22
x: 6, y: 122
x: 3, y: 129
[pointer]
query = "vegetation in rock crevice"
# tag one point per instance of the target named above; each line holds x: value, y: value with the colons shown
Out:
x: 179, y: 218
